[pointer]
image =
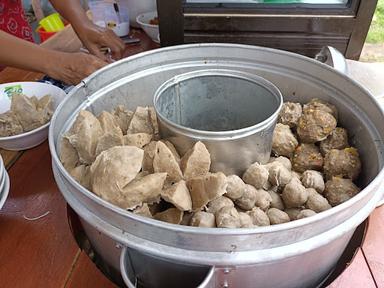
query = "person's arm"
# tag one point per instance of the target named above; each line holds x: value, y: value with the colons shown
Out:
x: 68, y: 67
x: 92, y: 36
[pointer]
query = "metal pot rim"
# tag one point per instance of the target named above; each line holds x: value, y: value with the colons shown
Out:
x: 233, y: 134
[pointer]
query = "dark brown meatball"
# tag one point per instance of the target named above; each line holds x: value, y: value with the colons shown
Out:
x: 339, y: 190
x: 318, y: 104
x: 283, y: 141
x: 307, y: 157
x: 315, y: 125
x: 342, y: 163
x: 337, y: 140
x: 290, y: 114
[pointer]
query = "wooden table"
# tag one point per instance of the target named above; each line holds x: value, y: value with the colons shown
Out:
x: 37, y: 248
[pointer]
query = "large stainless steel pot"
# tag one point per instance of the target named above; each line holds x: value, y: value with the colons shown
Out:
x: 295, y: 254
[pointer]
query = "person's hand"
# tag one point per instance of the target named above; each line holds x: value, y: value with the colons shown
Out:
x: 71, y: 68
x: 95, y: 37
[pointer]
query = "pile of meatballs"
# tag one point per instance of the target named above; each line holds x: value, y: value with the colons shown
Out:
x: 120, y: 157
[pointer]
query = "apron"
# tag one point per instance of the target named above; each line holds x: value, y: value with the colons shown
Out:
x: 13, y: 20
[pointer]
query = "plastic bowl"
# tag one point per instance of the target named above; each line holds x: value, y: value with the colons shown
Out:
x: 151, y: 30
x: 34, y: 137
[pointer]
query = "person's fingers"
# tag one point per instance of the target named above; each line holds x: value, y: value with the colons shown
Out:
x: 93, y: 64
x: 116, y: 45
x: 113, y: 37
x: 69, y: 78
x: 97, y: 64
x: 116, y: 51
x: 94, y: 49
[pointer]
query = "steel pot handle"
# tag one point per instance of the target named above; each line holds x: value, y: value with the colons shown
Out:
x: 208, y: 282
x: 332, y: 57
x: 124, y: 269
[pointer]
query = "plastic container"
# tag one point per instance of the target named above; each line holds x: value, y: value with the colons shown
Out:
x: 44, y: 35
x: 104, y: 15
x: 52, y: 23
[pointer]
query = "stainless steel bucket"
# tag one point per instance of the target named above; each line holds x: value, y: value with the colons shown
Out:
x: 233, y: 113
x: 295, y: 254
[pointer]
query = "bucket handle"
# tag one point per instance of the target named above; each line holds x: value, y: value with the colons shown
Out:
x: 208, y: 282
x: 332, y: 57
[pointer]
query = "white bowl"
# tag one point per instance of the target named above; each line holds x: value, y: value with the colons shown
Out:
x: 137, y: 7
x: 121, y: 29
x: 5, y: 191
x: 34, y: 137
x: 151, y: 30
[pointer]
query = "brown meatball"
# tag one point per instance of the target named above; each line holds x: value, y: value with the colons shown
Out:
x: 259, y: 217
x: 283, y: 141
x: 342, y: 163
x: 315, y: 125
x: 283, y: 160
x: 279, y: 175
x: 277, y: 201
x: 307, y: 157
x: 228, y: 217
x: 235, y: 187
x: 290, y: 114
x: 313, y: 179
x: 311, y: 191
x: 317, y: 203
x: 293, y: 212
x: 218, y: 203
x: 277, y: 216
x: 305, y: 213
x: 203, y: 219
x: 248, y: 199
x: 246, y: 220
x: 318, y: 104
x: 263, y: 199
x: 294, y: 194
x: 256, y: 175
x: 339, y: 190
x: 337, y: 140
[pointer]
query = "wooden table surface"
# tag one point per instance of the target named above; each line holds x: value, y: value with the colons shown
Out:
x: 37, y: 248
